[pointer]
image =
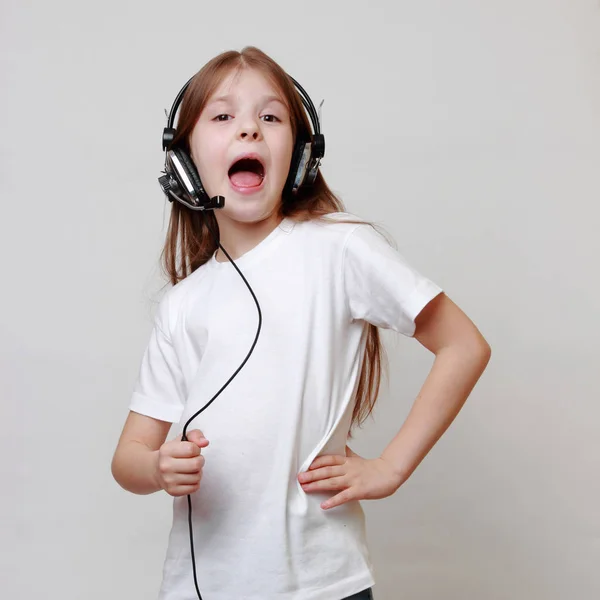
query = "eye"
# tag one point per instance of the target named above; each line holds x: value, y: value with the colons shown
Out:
x: 270, y: 118
x: 222, y: 117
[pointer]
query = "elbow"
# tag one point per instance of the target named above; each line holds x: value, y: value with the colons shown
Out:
x: 475, y: 350
x: 116, y: 469
x: 479, y: 348
x: 479, y: 351
x: 485, y: 352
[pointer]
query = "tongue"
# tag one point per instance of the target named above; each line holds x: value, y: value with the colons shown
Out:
x: 246, y: 179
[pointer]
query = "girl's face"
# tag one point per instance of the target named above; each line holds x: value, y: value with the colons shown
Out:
x: 242, y: 146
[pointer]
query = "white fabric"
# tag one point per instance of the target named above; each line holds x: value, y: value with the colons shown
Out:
x: 257, y: 534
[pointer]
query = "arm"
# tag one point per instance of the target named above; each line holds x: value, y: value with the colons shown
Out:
x: 461, y: 356
x: 135, y: 462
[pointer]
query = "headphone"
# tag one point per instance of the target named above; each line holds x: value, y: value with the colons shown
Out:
x: 181, y: 180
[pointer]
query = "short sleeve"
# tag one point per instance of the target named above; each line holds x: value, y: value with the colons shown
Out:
x: 381, y: 287
x: 158, y: 391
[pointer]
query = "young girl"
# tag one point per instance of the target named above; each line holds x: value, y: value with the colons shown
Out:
x: 274, y: 498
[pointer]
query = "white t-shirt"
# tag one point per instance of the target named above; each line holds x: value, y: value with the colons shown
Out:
x: 257, y: 534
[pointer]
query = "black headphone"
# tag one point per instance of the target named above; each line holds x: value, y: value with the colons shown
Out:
x: 181, y: 180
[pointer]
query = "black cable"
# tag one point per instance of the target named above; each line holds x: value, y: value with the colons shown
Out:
x: 183, y: 436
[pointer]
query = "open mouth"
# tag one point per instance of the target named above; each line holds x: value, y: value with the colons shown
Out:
x: 247, y: 173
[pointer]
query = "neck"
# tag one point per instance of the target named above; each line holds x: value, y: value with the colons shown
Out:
x: 238, y: 237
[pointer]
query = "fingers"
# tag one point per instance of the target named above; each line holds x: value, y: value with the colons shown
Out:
x: 198, y: 438
x: 327, y: 460
x: 181, y: 485
x: 180, y: 464
x: 170, y: 464
x: 185, y: 480
x: 326, y: 485
x: 180, y: 476
x: 338, y: 500
x: 187, y: 465
x: 184, y: 450
x: 329, y: 479
x: 330, y: 473
x: 191, y: 447
x: 321, y: 473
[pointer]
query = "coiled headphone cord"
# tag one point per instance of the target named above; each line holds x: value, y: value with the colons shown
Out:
x: 183, y: 436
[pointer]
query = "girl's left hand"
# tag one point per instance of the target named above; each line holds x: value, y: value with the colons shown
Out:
x: 357, y: 478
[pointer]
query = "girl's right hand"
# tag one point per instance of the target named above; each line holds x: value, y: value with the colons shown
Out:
x: 180, y: 464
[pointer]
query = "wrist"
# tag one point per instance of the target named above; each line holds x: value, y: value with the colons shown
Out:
x: 155, y: 471
x: 400, y: 471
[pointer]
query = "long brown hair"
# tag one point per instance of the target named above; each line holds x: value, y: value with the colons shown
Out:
x: 189, y: 243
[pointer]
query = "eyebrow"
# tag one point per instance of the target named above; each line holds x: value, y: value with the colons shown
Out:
x: 264, y: 99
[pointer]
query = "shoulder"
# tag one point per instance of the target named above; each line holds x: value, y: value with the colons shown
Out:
x: 332, y: 228
x: 173, y: 298
x: 350, y: 232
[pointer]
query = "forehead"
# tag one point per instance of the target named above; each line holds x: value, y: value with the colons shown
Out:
x: 246, y: 83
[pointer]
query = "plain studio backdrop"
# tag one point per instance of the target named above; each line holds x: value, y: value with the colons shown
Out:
x: 469, y: 130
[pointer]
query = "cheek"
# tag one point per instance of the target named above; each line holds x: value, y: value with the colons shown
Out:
x: 208, y: 159
x: 284, y: 155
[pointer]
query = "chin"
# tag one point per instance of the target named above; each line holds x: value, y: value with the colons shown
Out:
x: 246, y: 209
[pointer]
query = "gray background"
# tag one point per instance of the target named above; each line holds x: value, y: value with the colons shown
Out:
x: 469, y: 129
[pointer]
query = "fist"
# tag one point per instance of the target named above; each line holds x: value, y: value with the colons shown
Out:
x: 180, y: 464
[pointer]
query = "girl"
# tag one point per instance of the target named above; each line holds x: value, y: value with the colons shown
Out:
x: 275, y: 498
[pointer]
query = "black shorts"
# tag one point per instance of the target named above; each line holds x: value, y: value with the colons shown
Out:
x: 364, y: 595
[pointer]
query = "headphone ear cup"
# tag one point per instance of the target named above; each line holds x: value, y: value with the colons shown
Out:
x: 190, y: 170
x: 300, y: 160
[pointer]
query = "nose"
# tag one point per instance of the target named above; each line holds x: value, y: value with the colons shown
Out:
x: 252, y: 133
x: 249, y: 129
